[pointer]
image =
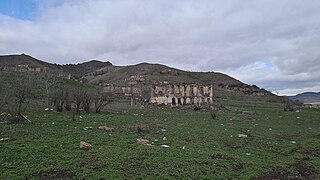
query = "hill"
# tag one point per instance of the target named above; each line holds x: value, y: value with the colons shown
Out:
x: 307, y: 97
x: 85, y: 68
x: 156, y: 73
x: 26, y: 63
x: 99, y: 73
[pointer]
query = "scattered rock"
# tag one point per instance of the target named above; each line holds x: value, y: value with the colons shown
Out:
x: 85, y: 145
x: 242, y: 135
x: 86, y: 128
x: 143, y: 142
x: 107, y: 129
x: 4, y: 139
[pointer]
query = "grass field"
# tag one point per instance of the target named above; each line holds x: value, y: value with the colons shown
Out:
x: 279, y: 144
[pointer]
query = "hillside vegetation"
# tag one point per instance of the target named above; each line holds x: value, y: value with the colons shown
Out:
x: 99, y: 73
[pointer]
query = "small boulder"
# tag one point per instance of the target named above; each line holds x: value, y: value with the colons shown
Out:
x: 107, y: 129
x: 242, y: 135
x: 165, y: 146
x: 85, y: 145
x: 143, y: 142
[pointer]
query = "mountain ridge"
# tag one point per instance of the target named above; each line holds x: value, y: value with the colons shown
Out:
x: 306, y: 97
x: 101, y: 73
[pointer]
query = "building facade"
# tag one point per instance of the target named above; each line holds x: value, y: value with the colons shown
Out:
x: 183, y: 94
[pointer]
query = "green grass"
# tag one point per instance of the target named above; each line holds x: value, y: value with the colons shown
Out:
x: 49, y: 147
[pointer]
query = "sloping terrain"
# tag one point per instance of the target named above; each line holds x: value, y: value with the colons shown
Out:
x: 97, y: 73
x: 9, y: 61
x: 104, y: 72
x: 85, y: 68
x: 156, y: 73
x: 306, y: 97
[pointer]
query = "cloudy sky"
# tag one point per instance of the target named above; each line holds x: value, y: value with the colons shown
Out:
x: 272, y: 43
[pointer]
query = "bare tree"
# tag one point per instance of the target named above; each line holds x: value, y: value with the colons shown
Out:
x: 68, y: 102
x: 100, y: 100
x: 50, y: 81
x: 21, y: 93
x: 78, y: 94
x: 59, y: 99
x: 3, y: 98
x: 87, y: 101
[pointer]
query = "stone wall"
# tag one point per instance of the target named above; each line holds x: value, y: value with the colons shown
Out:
x: 169, y: 94
x: 183, y: 94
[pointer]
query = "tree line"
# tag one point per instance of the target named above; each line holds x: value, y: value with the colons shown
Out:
x: 17, y: 90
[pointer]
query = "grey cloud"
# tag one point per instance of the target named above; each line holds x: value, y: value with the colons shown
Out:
x: 232, y: 36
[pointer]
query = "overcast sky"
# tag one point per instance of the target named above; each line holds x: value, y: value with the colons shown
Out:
x: 272, y: 43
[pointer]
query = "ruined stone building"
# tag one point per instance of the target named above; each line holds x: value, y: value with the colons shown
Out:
x: 183, y: 94
x: 167, y: 94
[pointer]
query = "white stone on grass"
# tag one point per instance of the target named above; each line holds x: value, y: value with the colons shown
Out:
x: 165, y: 146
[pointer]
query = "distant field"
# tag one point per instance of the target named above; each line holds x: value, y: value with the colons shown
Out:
x: 278, y: 144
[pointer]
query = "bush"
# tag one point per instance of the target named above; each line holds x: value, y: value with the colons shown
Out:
x: 214, y: 113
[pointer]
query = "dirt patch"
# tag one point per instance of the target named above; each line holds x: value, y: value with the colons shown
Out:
x: 188, y: 139
x: 275, y: 174
x: 304, y: 171
x: 285, y: 137
x: 222, y: 157
x: 138, y: 163
x: 311, y: 152
x: 145, y: 128
x: 235, y: 166
x: 95, y: 164
x: 52, y: 174
x: 236, y: 144
x: 317, y: 136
